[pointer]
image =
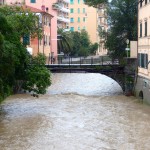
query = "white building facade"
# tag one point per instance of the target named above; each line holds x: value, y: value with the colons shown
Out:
x: 142, y: 86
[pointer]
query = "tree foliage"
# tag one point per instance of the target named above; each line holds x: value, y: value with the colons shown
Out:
x: 64, y: 41
x: 22, y: 20
x: 81, y: 43
x: 15, y: 61
x: 93, y: 48
x: 122, y: 17
x: 75, y: 43
x: 37, y: 76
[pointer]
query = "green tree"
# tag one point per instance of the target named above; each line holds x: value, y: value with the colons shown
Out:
x: 37, y: 76
x: 76, y: 43
x: 84, y: 39
x: 22, y: 20
x: 10, y: 56
x: 122, y: 15
x: 93, y: 48
x: 81, y: 43
x: 83, y: 52
x: 14, y: 58
x: 64, y: 41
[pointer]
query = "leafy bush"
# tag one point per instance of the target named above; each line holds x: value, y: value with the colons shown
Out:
x: 37, y: 76
x: 17, y: 68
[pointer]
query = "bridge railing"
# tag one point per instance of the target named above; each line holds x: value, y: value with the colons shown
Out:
x: 102, y: 60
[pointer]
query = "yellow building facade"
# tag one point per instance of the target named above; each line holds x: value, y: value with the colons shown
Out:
x: 84, y: 17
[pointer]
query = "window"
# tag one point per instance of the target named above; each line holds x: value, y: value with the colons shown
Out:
x: 78, y: 1
x: 141, y: 3
x: 71, y: 1
x: 84, y: 19
x: 83, y: 10
x: 32, y: 1
x: 71, y: 28
x: 143, y: 60
x: 140, y: 29
x: 71, y: 10
x: 78, y: 10
x: 83, y: 1
x: 78, y: 19
x: 145, y: 28
x: 45, y: 40
x: 71, y: 19
x: 78, y: 28
x: 26, y: 39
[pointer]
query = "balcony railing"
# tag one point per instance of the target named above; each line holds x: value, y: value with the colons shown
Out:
x: 66, y: 10
x: 67, y: 1
x: 65, y: 30
x: 58, y: 6
x: 61, y: 18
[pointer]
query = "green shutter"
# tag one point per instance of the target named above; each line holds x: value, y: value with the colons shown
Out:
x: 140, y: 29
x: 33, y: 1
x: 145, y: 28
x: 26, y: 40
x: 71, y: 1
x: 78, y: 19
x: 71, y: 10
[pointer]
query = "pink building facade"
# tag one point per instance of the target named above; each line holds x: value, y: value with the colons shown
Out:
x: 50, y: 34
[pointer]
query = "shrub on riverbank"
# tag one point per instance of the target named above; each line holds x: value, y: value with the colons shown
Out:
x: 17, y: 67
x: 37, y: 76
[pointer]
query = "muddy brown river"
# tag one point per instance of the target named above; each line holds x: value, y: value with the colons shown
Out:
x: 79, y: 112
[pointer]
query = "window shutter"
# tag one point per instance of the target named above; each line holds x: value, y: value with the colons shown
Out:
x: 145, y: 28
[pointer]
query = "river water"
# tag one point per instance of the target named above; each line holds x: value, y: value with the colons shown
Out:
x: 79, y: 112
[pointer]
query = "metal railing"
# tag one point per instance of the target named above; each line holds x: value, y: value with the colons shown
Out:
x: 101, y: 60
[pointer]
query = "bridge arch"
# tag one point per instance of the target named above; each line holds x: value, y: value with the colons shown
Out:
x: 114, y: 71
x: 118, y: 77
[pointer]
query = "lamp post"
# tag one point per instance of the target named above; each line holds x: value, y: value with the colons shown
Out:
x: 127, y: 48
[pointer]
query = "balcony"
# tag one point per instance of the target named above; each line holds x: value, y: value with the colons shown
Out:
x: 62, y: 19
x: 66, y: 10
x: 67, y: 1
x: 60, y: 7
x: 56, y: 6
x: 66, y: 30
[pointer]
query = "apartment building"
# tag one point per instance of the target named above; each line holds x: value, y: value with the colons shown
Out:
x: 48, y: 45
x: 102, y: 24
x: 41, y: 45
x: 88, y: 18
x: 62, y: 9
x: 143, y: 79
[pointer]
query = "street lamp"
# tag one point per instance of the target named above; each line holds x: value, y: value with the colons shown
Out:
x: 127, y: 48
